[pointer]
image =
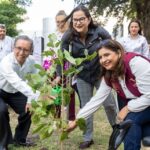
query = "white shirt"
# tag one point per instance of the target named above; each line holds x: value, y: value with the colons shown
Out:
x: 138, y: 45
x: 12, y: 76
x: 6, y: 46
x: 141, y: 70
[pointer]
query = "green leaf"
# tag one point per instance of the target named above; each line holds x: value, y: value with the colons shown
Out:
x: 90, y: 57
x: 70, y: 71
x: 79, y: 61
x: 50, y: 44
x: 42, y: 73
x: 35, y: 118
x: 60, y: 56
x: 69, y: 57
x: 38, y: 66
x: 38, y: 128
x: 57, y: 44
x: 44, y: 133
x: 49, y: 53
x: 50, y: 131
x: 64, y: 136
x: 34, y: 104
x: 82, y: 124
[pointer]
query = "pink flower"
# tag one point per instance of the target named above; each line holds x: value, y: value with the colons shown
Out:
x: 47, y: 64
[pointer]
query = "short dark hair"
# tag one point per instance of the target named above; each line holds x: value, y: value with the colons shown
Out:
x: 26, y: 38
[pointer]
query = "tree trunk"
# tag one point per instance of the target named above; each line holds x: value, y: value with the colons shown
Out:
x: 143, y: 14
x: 146, y: 20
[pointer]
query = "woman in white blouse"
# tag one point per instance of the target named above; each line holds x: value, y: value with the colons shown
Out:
x: 116, y: 66
x: 135, y: 41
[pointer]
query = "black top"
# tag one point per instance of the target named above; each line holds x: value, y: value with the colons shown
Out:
x: 91, y: 69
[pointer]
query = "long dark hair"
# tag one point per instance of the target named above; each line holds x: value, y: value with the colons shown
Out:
x: 117, y: 48
x: 139, y: 23
x: 87, y: 14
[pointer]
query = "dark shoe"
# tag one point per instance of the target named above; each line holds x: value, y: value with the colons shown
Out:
x: 146, y: 141
x: 34, y: 137
x: 86, y: 144
x: 26, y: 144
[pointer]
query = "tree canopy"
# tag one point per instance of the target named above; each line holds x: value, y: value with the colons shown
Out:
x: 120, y: 8
x: 11, y: 13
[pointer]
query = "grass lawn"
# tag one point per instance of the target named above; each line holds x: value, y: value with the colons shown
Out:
x: 102, y: 130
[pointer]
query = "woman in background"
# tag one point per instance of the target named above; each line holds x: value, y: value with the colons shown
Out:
x: 62, y: 27
x: 135, y: 41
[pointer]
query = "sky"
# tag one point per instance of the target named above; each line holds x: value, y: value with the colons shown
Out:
x: 43, y: 9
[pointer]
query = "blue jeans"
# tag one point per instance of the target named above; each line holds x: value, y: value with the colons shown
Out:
x: 133, y: 138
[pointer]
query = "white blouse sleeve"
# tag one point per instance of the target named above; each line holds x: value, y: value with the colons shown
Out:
x: 141, y: 70
x: 95, y: 102
x: 145, y: 48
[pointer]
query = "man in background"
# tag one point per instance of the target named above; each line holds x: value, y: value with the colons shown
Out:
x: 6, y: 42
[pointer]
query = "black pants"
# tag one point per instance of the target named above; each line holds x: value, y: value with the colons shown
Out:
x: 17, y: 102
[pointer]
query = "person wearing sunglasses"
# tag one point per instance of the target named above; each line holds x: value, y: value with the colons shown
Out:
x: 6, y: 42
x: 16, y: 93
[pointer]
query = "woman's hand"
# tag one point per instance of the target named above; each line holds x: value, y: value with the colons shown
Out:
x: 48, y: 97
x: 122, y: 114
x: 71, y: 126
x: 56, y: 81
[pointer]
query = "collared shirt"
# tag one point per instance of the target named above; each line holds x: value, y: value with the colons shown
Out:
x: 6, y: 46
x: 138, y: 45
x: 141, y: 70
x: 13, y: 76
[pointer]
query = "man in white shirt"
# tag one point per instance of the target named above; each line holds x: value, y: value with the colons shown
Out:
x: 15, y: 92
x: 6, y: 42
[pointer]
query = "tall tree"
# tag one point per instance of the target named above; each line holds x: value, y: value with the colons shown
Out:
x: 11, y: 13
x: 139, y: 9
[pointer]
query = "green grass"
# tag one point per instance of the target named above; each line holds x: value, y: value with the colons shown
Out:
x: 102, y: 131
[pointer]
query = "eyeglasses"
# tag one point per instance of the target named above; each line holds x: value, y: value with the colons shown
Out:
x: 23, y: 49
x: 81, y: 20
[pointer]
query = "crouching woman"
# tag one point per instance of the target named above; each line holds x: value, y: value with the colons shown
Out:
x: 129, y: 75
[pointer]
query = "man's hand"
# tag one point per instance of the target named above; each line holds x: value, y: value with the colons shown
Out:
x: 122, y: 114
x: 27, y: 107
x: 71, y: 126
